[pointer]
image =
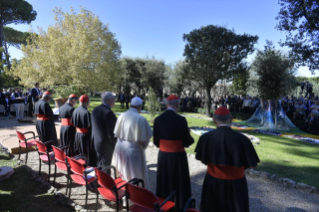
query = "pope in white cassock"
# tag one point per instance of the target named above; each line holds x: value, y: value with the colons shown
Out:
x: 133, y: 134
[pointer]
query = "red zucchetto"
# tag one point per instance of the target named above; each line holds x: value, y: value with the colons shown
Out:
x: 84, y: 98
x: 47, y: 93
x: 172, y: 98
x: 222, y: 111
x: 72, y: 96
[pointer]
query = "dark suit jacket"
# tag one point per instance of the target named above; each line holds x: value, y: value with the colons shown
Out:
x: 171, y: 126
x: 103, y: 123
x: 34, y: 94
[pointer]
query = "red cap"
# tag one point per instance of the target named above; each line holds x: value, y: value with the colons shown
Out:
x: 73, y: 96
x: 172, y: 97
x: 84, y: 98
x: 47, y: 93
x: 222, y: 111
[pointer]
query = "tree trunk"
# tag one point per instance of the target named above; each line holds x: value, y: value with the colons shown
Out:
x: 276, y: 112
x: 208, y: 100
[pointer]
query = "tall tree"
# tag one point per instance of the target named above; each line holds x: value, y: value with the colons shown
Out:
x: 15, y: 12
x: 177, y: 79
x: 300, y: 19
x: 240, y: 80
x: 15, y: 38
x: 275, y: 71
x: 77, y: 50
x: 213, y: 53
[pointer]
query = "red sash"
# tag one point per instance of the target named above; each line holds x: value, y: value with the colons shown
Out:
x: 82, y: 130
x: 225, y: 172
x: 42, y: 117
x: 66, y: 122
x: 171, y: 145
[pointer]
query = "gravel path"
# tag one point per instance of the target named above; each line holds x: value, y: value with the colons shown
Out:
x: 264, y: 195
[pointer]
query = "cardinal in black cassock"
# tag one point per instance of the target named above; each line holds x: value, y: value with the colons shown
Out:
x: 67, y: 132
x: 103, y: 123
x: 227, y: 154
x: 171, y: 135
x: 81, y: 119
x: 45, y: 123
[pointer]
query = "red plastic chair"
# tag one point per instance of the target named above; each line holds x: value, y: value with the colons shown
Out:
x: 26, y: 142
x: 61, y: 162
x: 79, y: 175
x: 145, y: 201
x: 111, y: 189
x: 45, y: 155
x: 190, y: 205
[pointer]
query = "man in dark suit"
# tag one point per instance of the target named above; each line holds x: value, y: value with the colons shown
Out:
x: 103, y: 123
x: 35, y: 94
x: 171, y: 135
x: 311, y: 124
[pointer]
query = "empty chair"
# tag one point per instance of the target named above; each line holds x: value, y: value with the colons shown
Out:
x: 81, y: 175
x: 190, y: 205
x: 61, y: 162
x: 45, y: 155
x: 110, y: 189
x: 144, y: 200
x: 26, y: 142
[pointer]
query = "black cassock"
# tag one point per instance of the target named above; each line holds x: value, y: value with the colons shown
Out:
x: 171, y: 135
x: 67, y: 132
x: 81, y: 119
x: 227, y: 154
x: 103, y: 123
x: 45, y: 123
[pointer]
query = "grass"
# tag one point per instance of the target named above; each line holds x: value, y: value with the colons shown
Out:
x: 283, y: 156
x: 20, y: 193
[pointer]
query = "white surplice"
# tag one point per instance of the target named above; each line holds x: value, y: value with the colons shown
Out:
x: 133, y: 134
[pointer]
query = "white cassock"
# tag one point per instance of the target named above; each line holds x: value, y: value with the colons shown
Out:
x: 133, y: 134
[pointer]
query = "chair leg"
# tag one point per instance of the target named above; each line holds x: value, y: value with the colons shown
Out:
x: 54, y: 174
x: 70, y: 188
x: 49, y: 171
x: 86, y: 196
x: 97, y: 198
x: 19, y: 152
x: 67, y: 183
x: 39, y: 166
x: 26, y: 157
x: 117, y: 205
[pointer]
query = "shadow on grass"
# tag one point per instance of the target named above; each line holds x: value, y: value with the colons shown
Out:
x: 20, y: 193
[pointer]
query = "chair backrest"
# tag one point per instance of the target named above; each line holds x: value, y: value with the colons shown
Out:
x: 104, y: 179
x: 59, y: 154
x: 42, y: 148
x: 76, y: 167
x: 141, y: 196
x: 192, y: 210
x: 21, y: 136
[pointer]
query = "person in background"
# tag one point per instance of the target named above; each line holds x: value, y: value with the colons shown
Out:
x: 7, y: 105
x: 17, y: 98
x: 311, y: 124
x: 45, y: 124
x: 35, y: 95
x: 122, y: 100
x: 227, y: 154
x: 103, y: 123
x: 67, y: 131
x: 171, y: 135
x: 81, y: 119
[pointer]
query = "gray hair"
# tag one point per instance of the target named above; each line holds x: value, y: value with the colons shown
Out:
x: 173, y: 102
x: 106, y: 96
x: 222, y: 119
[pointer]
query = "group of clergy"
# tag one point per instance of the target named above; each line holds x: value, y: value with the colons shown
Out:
x: 108, y: 140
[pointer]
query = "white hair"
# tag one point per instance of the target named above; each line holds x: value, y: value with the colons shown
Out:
x: 106, y: 96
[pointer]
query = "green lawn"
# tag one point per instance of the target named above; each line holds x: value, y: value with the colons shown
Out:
x: 286, y: 157
x: 20, y: 193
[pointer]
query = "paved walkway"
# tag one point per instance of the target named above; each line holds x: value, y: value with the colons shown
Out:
x: 264, y: 195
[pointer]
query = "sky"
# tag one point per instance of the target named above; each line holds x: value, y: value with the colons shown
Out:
x: 156, y: 27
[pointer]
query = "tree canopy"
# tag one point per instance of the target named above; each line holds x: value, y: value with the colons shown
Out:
x: 213, y: 53
x: 300, y: 19
x: 78, y: 49
x: 240, y: 80
x: 275, y: 72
